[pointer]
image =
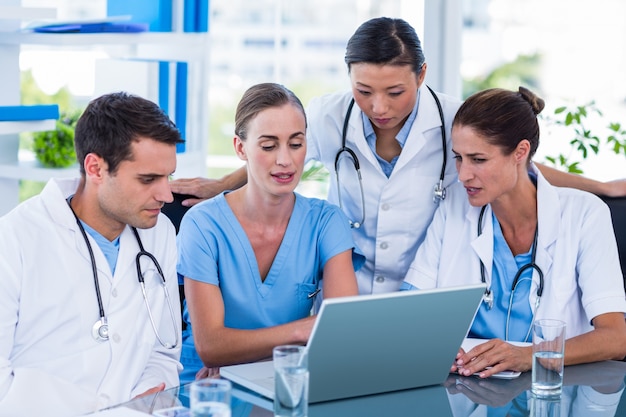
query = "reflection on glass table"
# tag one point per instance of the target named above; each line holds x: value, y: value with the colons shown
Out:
x: 588, y: 391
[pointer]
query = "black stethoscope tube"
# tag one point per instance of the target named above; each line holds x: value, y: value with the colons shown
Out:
x: 439, y: 192
x: 100, y: 330
x: 488, y: 296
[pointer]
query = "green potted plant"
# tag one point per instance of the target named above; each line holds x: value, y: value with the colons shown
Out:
x: 55, y: 148
x: 583, y: 140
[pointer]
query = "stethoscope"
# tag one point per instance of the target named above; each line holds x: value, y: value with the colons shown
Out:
x: 488, y: 295
x: 100, y: 329
x: 439, y: 192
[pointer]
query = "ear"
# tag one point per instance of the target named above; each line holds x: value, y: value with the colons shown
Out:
x: 240, y: 148
x: 422, y: 75
x: 522, y: 151
x: 95, y: 167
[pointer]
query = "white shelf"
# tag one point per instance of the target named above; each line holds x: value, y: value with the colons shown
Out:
x: 26, y: 13
x: 91, y: 39
x: 32, y: 170
x: 29, y: 168
x: 10, y: 128
x: 182, y: 46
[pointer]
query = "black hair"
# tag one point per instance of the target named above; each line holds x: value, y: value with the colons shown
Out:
x: 388, y: 41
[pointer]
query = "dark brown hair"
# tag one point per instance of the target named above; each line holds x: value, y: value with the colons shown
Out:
x: 503, y: 117
x: 110, y: 124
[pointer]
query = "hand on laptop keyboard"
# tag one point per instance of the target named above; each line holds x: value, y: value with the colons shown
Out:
x: 208, y: 373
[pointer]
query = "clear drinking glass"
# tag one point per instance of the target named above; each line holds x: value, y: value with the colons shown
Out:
x: 210, y: 398
x: 291, y: 393
x: 548, y: 350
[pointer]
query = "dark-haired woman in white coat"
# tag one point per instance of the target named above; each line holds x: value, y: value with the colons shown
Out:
x: 543, y: 251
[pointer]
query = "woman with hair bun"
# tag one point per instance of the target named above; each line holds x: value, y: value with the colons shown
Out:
x: 542, y: 251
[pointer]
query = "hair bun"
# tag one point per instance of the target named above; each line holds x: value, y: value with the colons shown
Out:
x: 535, y: 101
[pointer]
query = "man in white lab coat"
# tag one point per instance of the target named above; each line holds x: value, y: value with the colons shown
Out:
x: 76, y: 333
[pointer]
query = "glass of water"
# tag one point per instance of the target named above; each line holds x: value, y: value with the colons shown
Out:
x: 548, y: 350
x: 291, y: 381
x: 210, y: 398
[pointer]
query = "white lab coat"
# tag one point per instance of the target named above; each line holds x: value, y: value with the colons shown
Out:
x: 398, y: 209
x: 49, y: 362
x: 576, y: 250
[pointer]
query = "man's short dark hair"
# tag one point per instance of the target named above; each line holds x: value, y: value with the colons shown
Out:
x: 110, y: 124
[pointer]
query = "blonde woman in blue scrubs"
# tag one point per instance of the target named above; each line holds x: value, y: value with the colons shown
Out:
x: 254, y: 259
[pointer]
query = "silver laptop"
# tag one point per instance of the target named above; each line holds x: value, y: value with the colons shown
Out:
x: 372, y: 344
x: 425, y: 401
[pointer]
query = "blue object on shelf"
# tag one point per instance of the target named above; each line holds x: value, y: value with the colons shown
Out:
x: 98, y: 27
x: 164, y: 86
x: 196, y: 16
x: 189, y: 15
x: 156, y: 13
x: 181, y: 102
x: 29, y: 113
x: 202, y: 17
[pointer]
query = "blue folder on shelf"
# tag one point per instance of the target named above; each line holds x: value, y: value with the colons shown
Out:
x: 29, y: 113
x: 93, y: 27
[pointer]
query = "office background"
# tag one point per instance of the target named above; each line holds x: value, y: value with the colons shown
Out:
x: 571, y: 52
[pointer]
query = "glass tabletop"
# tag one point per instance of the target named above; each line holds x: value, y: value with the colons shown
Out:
x: 595, y: 389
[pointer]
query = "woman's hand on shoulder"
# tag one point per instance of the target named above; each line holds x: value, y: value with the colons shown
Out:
x: 201, y: 188
x: 204, y: 188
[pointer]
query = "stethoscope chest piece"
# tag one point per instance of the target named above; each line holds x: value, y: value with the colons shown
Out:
x: 439, y: 192
x: 100, y: 330
x: 488, y: 299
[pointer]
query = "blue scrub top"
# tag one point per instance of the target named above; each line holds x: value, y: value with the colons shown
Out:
x: 491, y: 323
x: 213, y: 248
